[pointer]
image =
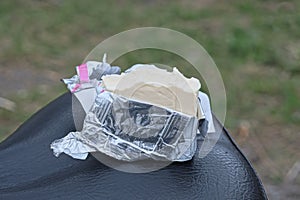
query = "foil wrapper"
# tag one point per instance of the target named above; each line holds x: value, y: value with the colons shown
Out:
x: 131, y: 130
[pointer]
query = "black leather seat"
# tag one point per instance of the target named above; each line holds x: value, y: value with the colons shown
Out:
x: 28, y: 169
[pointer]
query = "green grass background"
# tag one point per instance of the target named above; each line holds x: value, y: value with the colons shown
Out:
x: 255, y: 44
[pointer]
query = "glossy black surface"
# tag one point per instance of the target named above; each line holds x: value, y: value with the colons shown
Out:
x: 28, y: 169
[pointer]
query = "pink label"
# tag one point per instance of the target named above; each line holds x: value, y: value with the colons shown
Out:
x: 83, y: 73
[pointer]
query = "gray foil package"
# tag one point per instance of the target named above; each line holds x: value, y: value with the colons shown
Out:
x: 131, y: 130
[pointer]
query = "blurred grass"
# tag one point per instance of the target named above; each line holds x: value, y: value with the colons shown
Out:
x: 255, y: 44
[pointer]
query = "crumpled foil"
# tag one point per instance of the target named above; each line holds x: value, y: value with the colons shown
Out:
x: 95, y: 72
x: 130, y: 130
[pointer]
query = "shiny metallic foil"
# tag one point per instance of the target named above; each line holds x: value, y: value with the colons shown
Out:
x: 130, y: 130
